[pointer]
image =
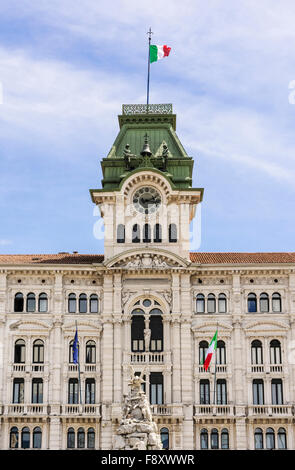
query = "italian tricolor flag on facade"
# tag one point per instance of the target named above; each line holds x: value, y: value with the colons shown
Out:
x: 158, y: 52
x: 210, y: 351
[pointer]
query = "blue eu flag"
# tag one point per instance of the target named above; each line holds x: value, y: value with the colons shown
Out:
x: 75, y: 348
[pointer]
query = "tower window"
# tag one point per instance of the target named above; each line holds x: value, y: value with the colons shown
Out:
x: 31, y: 302
x: 252, y: 303
x: 135, y: 234
x: 276, y: 302
x: 121, y: 233
x: 172, y: 233
x: 146, y: 233
x: 157, y: 233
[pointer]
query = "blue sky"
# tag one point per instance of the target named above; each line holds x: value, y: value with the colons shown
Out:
x: 66, y: 68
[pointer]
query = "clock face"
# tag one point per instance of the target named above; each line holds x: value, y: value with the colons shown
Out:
x: 147, y: 200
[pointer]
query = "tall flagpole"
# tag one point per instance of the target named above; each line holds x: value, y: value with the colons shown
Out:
x: 149, y: 67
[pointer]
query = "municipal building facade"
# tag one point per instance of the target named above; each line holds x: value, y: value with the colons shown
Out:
x: 150, y: 305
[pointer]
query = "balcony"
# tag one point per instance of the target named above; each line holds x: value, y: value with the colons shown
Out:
x: 270, y: 410
x: 25, y: 409
x: 77, y: 410
x: 147, y: 358
x: 214, y: 410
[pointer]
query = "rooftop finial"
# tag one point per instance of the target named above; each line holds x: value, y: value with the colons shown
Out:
x: 146, y: 151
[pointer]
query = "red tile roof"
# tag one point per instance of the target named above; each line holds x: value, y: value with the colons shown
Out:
x: 60, y: 258
x: 242, y: 258
x: 199, y: 258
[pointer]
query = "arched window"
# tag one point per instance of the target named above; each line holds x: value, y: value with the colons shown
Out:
x: 276, y: 302
x: 13, y: 441
x: 25, y: 438
x: 258, y: 392
x: 204, y: 392
x: 31, y: 302
x: 220, y: 353
x: 137, y: 331
x: 121, y: 233
x: 71, y: 438
x: 172, y: 233
x: 221, y: 392
x: 43, y: 303
x: 19, y: 302
x: 264, y: 303
x: 203, y: 346
x: 204, y: 439
x: 275, y: 352
x: 157, y: 233
x: 72, y: 303
x: 200, y: 303
x: 82, y: 303
x: 38, y: 351
x: 222, y: 307
x: 252, y: 303
x: 256, y: 352
x: 224, y: 439
x: 81, y: 438
x: 156, y: 327
x: 93, y: 303
x: 90, y: 391
x: 282, y: 439
x: 90, y: 352
x: 20, y: 352
x: 135, y: 234
x: 37, y: 390
x: 146, y: 233
x: 71, y: 352
x: 270, y: 438
x: 258, y: 438
x: 37, y: 438
x: 214, y: 439
x: 277, y: 392
x: 211, y: 303
x: 90, y: 438
x: 73, y: 392
x: 165, y: 437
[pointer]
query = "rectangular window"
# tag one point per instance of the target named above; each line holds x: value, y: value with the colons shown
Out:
x: 258, y: 392
x: 156, y: 388
x: 90, y: 391
x: 276, y: 392
x: 37, y: 391
x: 204, y: 392
x: 18, y: 390
x: 221, y: 392
x: 73, y: 392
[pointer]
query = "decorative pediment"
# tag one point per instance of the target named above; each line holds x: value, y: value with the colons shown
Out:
x: 30, y: 325
x: 83, y: 327
x: 143, y: 259
x: 208, y: 328
x: 264, y: 327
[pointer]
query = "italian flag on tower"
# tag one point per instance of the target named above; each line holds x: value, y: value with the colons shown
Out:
x: 210, y: 351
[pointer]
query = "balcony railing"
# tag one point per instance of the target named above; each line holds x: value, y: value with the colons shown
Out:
x: 25, y: 409
x: 81, y: 409
x: 214, y: 410
x: 270, y: 410
x: 163, y: 410
x: 130, y: 109
x: 147, y: 358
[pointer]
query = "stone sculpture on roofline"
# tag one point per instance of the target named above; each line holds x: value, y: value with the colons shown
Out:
x: 137, y: 430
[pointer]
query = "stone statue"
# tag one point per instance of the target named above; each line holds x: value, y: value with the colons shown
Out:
x: 137, y: 430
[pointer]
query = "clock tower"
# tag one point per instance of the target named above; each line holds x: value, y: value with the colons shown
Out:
x: 147, y: 200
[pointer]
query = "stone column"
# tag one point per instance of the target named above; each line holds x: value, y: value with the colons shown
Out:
x: 107, y: 360
x: 175, y: 320
x: 117, y: 315
x: 55, y: 395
